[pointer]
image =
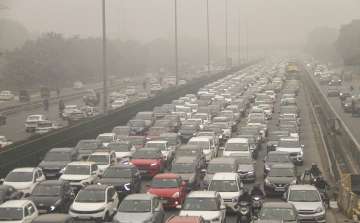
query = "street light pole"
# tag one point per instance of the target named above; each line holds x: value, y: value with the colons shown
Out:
x: 104, y: 58
x: 239, y: 40
x: 208, y: 35
x: 176, y: 44
x: 226, y: 33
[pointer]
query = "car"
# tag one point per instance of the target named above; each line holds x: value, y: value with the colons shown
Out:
x: 19, y: 211
x: 121, y: 131
x: 207, y: 204
x: 275, y: 157
x: 8, y: 192
x: 103, y: 159
x: 155, y: 132
x: 123, y: 150
x: 137, y: 127
x: 149, y: 161
x: 169, y: 187
x: 279, y: 178
x: 246, y: 169
x: 68, y: 110
x: 220, y: 164
x: 52, y: 196
x: 307, y: 201
x: 188, y: 168
x: 188, y: 131
x: 137, y: 141
x: 194, y: 151
x: 55, y: 160
x: 230, y: 187
x: 347, y: 105
x: 166, y: 123
x: 106, y: 138
x: 78, y: 115
x: 95, y: 202
x: 237, y: 147
x: 126, y: 179
x: 139, y: 208
x: 172, y: 139
x: 4, y: 142
x: 185, y: 219
x: 24, y: 179
x: 46, y: 126
x: 6, y: 96
x: 294, y: 148
x: 332, y: 92
x: 167, y: 151
x: 53, y: 218
x: 208, y: 145
x: 80, y: 174
x: 118, y: 103
x: 78, y: 85
x: 278, y: 211
x: 147, y: 116
x: 87, y: 146
x: 32, y: 122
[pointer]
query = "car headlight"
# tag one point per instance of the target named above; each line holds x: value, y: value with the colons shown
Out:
x: 267, y: 182
x: 293, y: 182
x: 62, y: 170
x: 52, y: 208
x: 251, y: 172
x: 319, y: 209
x: 127, y: 186
x: 176, y: 195
x: 154, y: 164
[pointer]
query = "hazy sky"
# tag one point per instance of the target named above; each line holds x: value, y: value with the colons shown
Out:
x: 269, y: 21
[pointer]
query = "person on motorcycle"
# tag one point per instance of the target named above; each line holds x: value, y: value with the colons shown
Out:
x: 315, y: 171
x: 257, y: 191
x: 245, y: 196
x: 321, y: 184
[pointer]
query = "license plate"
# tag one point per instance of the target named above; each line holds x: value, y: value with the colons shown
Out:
x: 279, y: 189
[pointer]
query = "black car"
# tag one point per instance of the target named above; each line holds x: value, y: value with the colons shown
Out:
x: 279, y: 178
x: 126, y: 179
x: 55, y: 160
x: 52, y: 196
x: 53, y: 218
x: 86, y: 147
x: 8, y: 192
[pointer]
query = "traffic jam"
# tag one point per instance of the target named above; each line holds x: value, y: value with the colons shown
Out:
x: 232, y: 152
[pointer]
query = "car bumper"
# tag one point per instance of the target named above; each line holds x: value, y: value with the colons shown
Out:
x: 318, y: 217
x: 275, y: 190
x: 87, y: 216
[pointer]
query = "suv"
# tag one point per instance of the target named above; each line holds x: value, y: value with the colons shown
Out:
x: 229, y: 186
x: 279, y: 178
x: 149, y: 161
x: 185, y: 219
x: 188, y: 168
x: 19, y: 211
x: 294, y: 149
x: 207, y: 204
x: 32, y: 122
x: 55, y: 160
x: 103, y: 159
x: 87, y: 146
x: 308, y: 203
x: 237, y: 147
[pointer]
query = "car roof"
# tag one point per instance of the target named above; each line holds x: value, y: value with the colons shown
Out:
x: 65, y: 149
x: 49, y: 218
x: 142, y: 196
x: 14, y: 203
x: 166, y: 176
x: 25, y: 169
x: 225, y: 176
x: 107, y: 134
x: 157, y: 141
x: 52, y: 182
x: 185, y: 159
x: 238, y: 140
x: 223, y: 159
x: 101, y: 153
x: 278, y: 204
x: 96, y: 187
x: 302, y: 187
x: 282, y: 165
x: 200, y: 138
x: 208, y: 194
x: 83, y: 163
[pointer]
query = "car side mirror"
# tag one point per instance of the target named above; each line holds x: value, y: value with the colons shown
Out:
x: 284, y: 196
x: 222, y: 207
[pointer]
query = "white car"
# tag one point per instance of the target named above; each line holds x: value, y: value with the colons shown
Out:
x: 103, y: 159
x: 18, y: 211
x: 166, y: 150
x: 78, y: 85
x: 6, y: 96
x: 46, y: 126
x: 229, y: 186
x: 69, y: 109
x: 308, y: 203
x: 4, y: 142
x: 207, y: 204
x: 293, y: 147
x: 32, y: 122
x: 206, y: 144
x: 95, y: 202
x: 237, y: 147
x: 106, y: 138
x: 118, y: 103
x: 80, y: 174
x: 24, y: 179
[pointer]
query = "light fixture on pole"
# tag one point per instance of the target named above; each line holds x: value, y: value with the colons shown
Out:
x: 226, y: 33
x: 208, y: 35
x: 104, y: 58
x: 176, y: 44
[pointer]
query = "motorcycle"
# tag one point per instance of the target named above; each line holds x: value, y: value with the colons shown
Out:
x: 244, y: 212
x: 257, y: 202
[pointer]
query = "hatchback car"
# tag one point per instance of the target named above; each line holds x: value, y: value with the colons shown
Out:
x: 53, y: 218
x: 149, y: 161
x: 279, y: 211
x: 8, y: 192
x: 19, y: 211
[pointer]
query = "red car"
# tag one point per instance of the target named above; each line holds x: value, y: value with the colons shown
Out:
x: 185, y: 219
x: 169, y: 187
x: 149, y: 161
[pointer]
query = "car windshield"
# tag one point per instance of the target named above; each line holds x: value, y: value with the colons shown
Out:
x: 200, y: 204
x: 281, y: 172
x: 278, y: 158
x: 87, y: 145
x: 146, y: 154
x: 19, y: 177
x: 237, y: 147
x: 164, y: 183
x: 137, y: 123
x: 46, y: 190
x: 172, y: 141
x: 224, y: 186
x: 304, y: 196
x: 119, y: 147
x: 11, y: 214
x: 220, y: 167
x: 117, y: 173
x: 156, y: 131
x: 289, y: 144
x: 158, y: 145
x: 284, y: 214
x: 33, y: 118
x: 122, y: 130
x: 144, y: 116
x: 77, y: 170
x: 135, y: 206
x: 202, y: 144
x: 187, y: 152
x: 103, y: 138
x: 182, y: 168
x: 45, y: 125
x: 100, y: 159
x: 57, y: 156
x: 90, y: 196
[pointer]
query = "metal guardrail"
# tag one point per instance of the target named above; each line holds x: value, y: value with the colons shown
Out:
x: 30, y: 152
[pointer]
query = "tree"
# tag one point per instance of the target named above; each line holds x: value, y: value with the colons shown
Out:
x: 348, y: 43
x: 12, y: 35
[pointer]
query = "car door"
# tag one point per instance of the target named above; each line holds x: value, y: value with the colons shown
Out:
x: 158, y: 212
x: 221, y: 206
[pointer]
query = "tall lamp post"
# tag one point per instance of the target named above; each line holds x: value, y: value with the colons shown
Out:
x: 208, y: 35
x: 104, y: 58
x: 226, y: 33
x: 176, y: 43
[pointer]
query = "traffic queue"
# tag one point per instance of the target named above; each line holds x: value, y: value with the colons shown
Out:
x: 199, y: 153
